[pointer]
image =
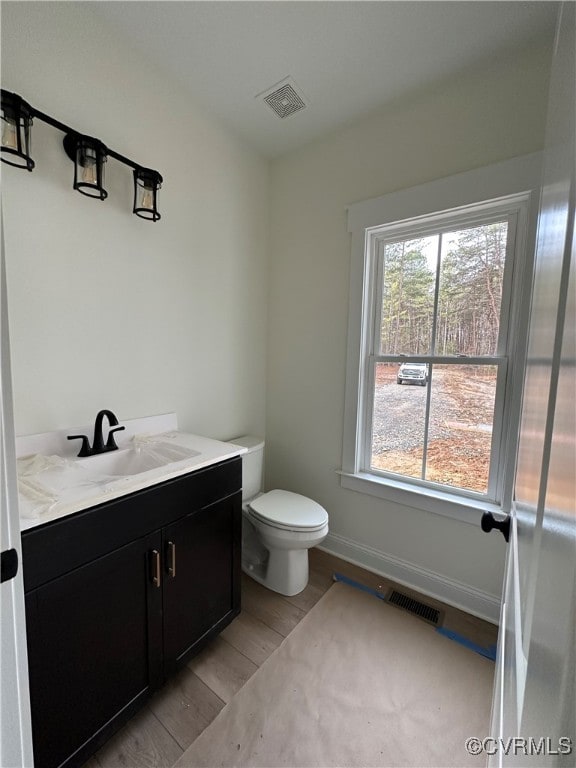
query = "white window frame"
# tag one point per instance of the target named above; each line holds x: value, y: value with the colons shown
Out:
x: 511, y: 189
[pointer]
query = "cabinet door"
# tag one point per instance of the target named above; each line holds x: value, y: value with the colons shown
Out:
x: 94, y: 651
x: 201, y: 579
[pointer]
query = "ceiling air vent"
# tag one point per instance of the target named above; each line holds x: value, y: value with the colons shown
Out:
x: 283, y: 98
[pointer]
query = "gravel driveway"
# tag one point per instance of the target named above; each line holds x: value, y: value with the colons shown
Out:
x: 399, y: 416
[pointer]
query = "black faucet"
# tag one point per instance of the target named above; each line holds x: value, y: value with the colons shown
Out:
x: 98, y: 445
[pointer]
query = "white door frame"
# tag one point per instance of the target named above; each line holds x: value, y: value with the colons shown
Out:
x: 15, y: 721
x: 533, y: 716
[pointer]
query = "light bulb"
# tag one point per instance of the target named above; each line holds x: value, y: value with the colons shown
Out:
x: 89, y: 173
x: 147, y: 199
x: 9, y: 134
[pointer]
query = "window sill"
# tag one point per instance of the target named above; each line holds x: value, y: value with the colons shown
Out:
x: 463, y: 508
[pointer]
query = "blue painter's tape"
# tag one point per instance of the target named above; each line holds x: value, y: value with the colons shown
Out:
x: 363, y: 587
x: 489, y: 653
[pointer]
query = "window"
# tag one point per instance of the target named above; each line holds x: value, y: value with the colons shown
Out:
x: 436, y: 345
x: 438, y: 301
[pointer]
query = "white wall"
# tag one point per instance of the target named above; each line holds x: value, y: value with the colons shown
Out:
x: 477, y: 118
x: 108, y: 310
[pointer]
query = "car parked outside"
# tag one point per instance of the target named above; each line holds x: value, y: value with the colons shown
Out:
x: 413, y: 372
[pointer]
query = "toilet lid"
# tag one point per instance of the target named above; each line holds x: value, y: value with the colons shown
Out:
x: 284, y: 509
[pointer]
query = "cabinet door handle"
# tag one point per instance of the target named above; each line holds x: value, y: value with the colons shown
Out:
x: 172, y: 559
x: 156, y: 578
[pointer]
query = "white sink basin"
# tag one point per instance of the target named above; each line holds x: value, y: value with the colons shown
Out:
x: 133, y: 461
x: 44, y: 480
x: 52, y: 485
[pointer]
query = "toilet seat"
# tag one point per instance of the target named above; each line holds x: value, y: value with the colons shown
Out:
x: 288, y: 511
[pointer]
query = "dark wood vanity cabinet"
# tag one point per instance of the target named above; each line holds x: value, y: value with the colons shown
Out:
x: 120, y: 596
x: 91, y: 650
x: 198, y: 551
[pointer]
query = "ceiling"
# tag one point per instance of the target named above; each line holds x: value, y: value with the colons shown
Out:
x: 346, y: 57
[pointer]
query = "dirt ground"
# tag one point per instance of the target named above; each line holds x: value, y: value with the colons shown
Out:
x: 460, y: 433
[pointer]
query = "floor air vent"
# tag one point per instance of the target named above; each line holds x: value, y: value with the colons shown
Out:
x: 426, y: 612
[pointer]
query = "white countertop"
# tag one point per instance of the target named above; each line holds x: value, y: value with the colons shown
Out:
x: 54, y: 483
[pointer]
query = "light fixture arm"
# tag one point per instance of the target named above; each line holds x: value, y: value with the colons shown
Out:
x: 67, y: 130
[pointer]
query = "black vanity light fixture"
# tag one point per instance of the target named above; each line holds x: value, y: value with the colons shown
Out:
x: 16, y: 124
x: 88, y: 154
x: 146, y: 185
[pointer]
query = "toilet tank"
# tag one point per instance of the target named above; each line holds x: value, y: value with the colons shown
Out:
x: 252, y: 464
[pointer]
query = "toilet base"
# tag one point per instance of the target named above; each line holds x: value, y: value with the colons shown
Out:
x: 285, y: 571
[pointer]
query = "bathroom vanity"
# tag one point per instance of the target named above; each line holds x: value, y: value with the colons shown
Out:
x: 119, y: 596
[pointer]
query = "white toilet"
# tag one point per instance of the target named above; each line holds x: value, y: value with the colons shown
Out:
x: 278, y: 527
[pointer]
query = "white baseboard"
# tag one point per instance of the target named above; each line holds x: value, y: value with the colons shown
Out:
x: 451, y: 592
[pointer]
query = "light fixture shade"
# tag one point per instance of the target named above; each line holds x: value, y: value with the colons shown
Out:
x: 146, y: 185
x: 16, y: 123
x: 89, y: 156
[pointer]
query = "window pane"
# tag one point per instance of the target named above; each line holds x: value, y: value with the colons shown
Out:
x: 472, y: 268
x: 460, y: 422
x: 409, y: 278
x: 461, y: 419
x: 398, y: 423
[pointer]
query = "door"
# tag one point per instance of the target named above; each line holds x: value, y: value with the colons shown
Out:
x: 15, y: 731
x: 93, y: 647
x: 201, y: 587
x: 535, y: 681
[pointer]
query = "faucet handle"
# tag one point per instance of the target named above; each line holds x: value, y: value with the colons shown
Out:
x: 85, y: 450
x: 111, y: 443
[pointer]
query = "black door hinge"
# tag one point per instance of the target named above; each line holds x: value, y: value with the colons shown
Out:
x: 8, y: 565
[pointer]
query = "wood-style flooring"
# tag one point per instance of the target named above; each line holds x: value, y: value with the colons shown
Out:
x: 179, y: 712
